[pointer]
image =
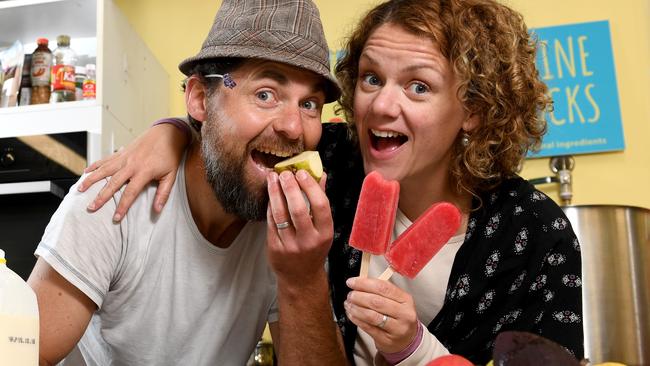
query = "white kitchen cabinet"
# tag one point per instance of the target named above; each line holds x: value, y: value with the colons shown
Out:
x: 132, y: 87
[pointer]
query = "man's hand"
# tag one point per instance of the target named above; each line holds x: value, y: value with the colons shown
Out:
x: 297, y: 252
x: 299, y: 237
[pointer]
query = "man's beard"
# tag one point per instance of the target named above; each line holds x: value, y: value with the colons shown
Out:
x: 225, y: 172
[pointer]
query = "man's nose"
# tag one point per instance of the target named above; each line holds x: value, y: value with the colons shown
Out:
x: 290, y: 123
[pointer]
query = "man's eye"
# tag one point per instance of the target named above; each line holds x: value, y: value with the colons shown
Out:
x: 309, y: 104
x: 419, y: 88
x: 264, y: 96
x: 371, y: 79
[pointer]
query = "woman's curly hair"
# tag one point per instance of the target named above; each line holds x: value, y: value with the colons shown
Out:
x: 493, y: 58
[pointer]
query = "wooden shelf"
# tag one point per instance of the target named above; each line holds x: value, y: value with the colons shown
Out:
x: 50, y: 118
x: 132, y: 86
x: 32, y: 187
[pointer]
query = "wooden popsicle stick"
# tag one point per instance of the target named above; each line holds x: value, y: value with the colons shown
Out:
x: 365, y: 264
x: 387, y: 274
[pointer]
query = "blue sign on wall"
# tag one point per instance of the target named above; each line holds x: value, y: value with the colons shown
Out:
x: 576, y: 62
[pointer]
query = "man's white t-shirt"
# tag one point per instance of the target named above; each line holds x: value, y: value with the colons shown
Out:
x: 165, y: 295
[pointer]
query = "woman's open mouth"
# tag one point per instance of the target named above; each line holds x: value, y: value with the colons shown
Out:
x: 386, y: 141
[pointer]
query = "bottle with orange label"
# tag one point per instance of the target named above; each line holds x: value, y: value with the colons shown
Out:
x: 40, y: 72
x: 63, y: 72
x: 90, y: 83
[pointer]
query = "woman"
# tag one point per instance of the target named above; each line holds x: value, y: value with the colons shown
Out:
x: 444, y: 97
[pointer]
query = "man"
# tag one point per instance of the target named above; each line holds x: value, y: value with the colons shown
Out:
x: 192, y: 285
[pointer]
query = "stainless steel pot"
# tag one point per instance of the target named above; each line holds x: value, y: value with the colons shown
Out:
x: 615, y: 245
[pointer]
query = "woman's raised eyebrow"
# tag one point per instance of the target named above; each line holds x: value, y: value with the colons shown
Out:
x: 407, y: 68
x: 369, y: 58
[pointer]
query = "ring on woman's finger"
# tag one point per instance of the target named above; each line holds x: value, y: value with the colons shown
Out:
x: 283, y: 225
x: 383, y: 321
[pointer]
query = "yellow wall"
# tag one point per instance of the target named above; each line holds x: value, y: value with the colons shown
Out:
x: 175, y: 29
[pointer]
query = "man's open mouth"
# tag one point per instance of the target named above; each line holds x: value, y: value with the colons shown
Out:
x: 267, y: 158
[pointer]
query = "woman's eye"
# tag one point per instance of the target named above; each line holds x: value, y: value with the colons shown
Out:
x: 419, y: 88
x: 310, y: 104
x: 371, y: 79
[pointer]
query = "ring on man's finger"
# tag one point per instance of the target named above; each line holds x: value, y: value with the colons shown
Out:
x: 383, y: 321
x: 283, y: 225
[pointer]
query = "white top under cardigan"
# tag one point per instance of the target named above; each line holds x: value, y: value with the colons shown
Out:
x: 428, y: 291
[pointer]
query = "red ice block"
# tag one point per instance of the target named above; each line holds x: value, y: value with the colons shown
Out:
x: 423, y: 239
x: 373, y: 222
x: 450, y: 360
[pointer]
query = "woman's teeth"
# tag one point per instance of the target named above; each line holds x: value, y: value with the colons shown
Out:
x: 379, y: 133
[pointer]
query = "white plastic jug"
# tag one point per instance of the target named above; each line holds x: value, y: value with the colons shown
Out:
x: 18, y: 319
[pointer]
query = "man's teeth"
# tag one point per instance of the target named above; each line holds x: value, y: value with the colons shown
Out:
x: 379, y: 133
x: 282, y: 154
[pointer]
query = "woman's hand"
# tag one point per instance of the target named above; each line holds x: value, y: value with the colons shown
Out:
x: 371, y: 299
x: 153, y: 156
x: 298, y: 247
